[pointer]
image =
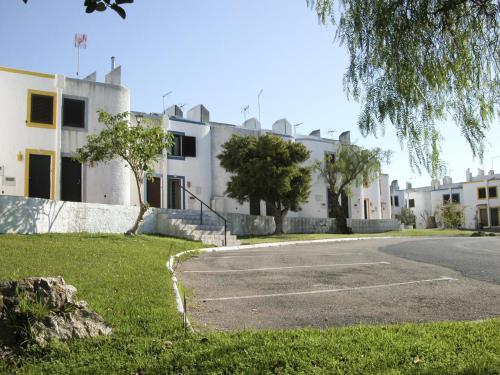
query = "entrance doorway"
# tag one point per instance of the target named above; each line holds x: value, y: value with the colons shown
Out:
x: 39, y: 175
x: 153, y: 191
x: 174, y: 193
x: 71, y: 180
x: 366, y: 208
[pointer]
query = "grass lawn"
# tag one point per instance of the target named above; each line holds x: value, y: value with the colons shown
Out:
x: 321, y: 236
x: 125, y: 280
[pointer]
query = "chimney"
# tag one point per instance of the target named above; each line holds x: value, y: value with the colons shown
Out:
x: 174, y: 111
x: 468, y: 175
x: 435, y: 184
x: 315, y: 133
x: 491, y: 172
x: 408, y: 185
x: 113, y: 63
x: 199, y: 114
x: 447, y: 180
x: 251, y: 124
x: 345, y: 138
x: 395, y: 185
x: 282, y: 126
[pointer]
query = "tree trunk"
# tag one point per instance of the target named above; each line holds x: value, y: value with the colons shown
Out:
x: 339, y: 215
x: 279, y: 215
x: 142, y: 207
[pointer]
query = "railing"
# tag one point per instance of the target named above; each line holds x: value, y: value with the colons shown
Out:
x: 207, y: 206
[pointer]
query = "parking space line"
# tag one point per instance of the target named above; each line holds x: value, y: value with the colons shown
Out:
x: 442, y: 278
x: 285, y: 268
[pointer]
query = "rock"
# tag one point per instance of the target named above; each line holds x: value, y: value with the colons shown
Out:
x: 44, y: 309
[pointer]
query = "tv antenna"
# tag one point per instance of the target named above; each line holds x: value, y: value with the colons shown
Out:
x: 80, y: 43
x: 182, y: 105
x: 331, y: 132
x: 245, y: 110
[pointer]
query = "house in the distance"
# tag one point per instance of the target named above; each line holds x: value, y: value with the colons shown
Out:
x: 478, y: 195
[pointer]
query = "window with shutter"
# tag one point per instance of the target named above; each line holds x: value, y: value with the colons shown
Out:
x: 189, y: 146
x: 41, y: 109
x: 74, y: 113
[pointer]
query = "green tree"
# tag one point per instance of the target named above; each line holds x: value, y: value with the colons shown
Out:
x: 349, y: 167
x: 412, y: 63
x: 450, y: 215
x: 140, y: 146
x: 102, y: 5
x: 267, y: 168
x: 407, y: 217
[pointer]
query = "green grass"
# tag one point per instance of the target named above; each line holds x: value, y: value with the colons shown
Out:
x: 321, y: 236
x: 125, y: 280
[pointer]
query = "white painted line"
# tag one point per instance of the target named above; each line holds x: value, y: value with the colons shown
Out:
x: 285, y: 268
x: 442, y: 278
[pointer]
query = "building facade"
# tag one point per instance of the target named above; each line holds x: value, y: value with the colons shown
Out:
x: 478, y: 195
x: 51, y: 116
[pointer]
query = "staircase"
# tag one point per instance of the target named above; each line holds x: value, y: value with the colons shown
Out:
x: 186, y: 224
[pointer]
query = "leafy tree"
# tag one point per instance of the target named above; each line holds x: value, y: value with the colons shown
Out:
x: 351, y: 166
x: 267, y: 168
x: 451, y: 215
x: 102, y: 5
x: 407, y: 217
x: 414, y: 62
x: 140, y: 146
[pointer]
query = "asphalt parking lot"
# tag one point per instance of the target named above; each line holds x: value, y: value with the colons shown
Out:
x: 330, y: 284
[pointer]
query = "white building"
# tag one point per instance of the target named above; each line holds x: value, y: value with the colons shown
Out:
x: 478, y: 195
x: 47, y: 117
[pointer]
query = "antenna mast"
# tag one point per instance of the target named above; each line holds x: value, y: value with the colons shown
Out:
x: 80, y: 43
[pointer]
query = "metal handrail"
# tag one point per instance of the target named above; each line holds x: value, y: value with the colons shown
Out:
x: 210, y: 208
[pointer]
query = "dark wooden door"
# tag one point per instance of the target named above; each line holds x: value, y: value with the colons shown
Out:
x: 71, y: 180
x: 39, y: 176
x: 174, y: 193
x: 153, y: 192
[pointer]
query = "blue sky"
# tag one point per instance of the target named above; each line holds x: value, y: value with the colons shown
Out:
x: 219, y: 53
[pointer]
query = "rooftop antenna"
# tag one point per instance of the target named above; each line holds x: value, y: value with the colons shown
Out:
x: 245, y: 110
x: 80, y: 43
x: 258, y: 100
x: 163, y: 98
x: 182, y: 105
x: 331, y: 132
x: 295, y: 126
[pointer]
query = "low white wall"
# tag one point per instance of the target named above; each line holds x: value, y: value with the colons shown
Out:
x: 247, y: 225
x: 33, y: 215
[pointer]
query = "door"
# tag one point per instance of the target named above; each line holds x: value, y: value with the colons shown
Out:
x: 39, y: 176
x: 71, y: 180
x: 483, y: 217
x: 153, y: 192
x: 494, y: 213
x: 174, y: 192
x: 254, y: 206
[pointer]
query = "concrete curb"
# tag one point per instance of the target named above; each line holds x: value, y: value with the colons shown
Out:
x: 171, y: 261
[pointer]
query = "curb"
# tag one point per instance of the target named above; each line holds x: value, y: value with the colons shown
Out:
x: 171, y: 260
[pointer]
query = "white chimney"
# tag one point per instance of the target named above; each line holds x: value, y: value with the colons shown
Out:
x: 113, y: 63
x: 282, y: 126
x: 447, y: 180
x: 491, y: 172
x: 408, y: 185
x: 251, y: 124
x: 468, y: 175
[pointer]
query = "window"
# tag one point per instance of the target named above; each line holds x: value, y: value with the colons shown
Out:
x: 455, y: 198
x: 396, y: 201
x: 481, y: 193
x: 74, y: 113
x: 41, y: 109
x: 492, y: 192
x: 183, y: 146
x: 411, y: 203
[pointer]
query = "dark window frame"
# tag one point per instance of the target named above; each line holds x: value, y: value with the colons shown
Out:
x: 481, y: 193
x: 85, y: 112
x: 490, y: 189
x: 411, y: 203
x: 186, y: 146
x: 396, y: 201
x: 31, y: 119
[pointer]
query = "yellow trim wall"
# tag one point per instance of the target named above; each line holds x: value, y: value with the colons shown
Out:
x: 27, y: 72
x: 54, y: 110
x: 52, y: 154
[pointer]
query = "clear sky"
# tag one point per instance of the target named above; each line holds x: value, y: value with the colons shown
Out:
x: 220, y: 53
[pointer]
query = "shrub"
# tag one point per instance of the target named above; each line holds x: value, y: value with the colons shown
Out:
x: 451, y: 215
x: 407, y: 217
